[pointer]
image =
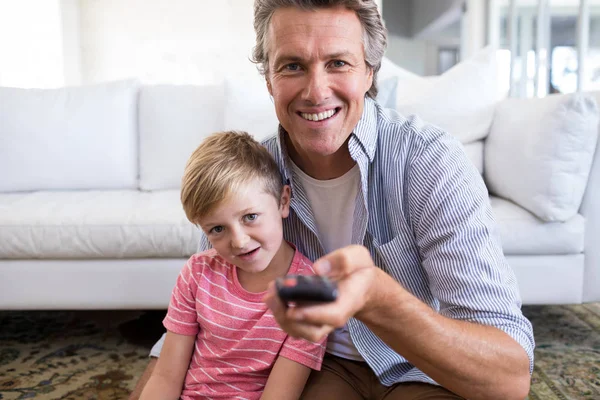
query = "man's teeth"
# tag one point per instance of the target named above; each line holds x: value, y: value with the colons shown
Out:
x: 319, y: 116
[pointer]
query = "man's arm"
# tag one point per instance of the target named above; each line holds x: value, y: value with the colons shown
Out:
x: 472, y: 360
x: 166, y: 381
x: 286, y: 381
x: 475, y: 344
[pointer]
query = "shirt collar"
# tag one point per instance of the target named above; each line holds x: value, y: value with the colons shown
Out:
x: 365, y: 131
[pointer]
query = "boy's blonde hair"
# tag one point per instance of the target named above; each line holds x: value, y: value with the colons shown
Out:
x: 221, y: 164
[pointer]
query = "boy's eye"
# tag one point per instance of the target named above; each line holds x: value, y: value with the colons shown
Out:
x: 250, y: 217
x: 217, y: 229
x: 339, y: 63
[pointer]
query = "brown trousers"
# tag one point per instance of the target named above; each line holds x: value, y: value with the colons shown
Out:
x: 342, y: 379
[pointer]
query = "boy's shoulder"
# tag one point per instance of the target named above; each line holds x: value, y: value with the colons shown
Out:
x: 208, y: 258
x: 301, y: 265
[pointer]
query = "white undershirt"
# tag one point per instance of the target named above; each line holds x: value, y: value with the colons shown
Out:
x: 332, y: 203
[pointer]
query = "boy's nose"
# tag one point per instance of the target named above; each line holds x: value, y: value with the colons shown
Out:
x: 239, y: 240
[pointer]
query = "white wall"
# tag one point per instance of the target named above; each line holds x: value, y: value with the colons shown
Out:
x: 71, y: 41
x: 410, y: 54
x: 473, y: 35
x: 165, y: 41
x: 430, y: 13
x: 397, y: 15
x: 50, y: 43
x: 31, y: 50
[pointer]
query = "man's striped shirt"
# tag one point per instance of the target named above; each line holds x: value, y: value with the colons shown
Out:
x: 423, y: 212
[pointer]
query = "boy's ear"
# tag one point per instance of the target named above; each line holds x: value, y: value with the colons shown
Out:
x: 284, y: 201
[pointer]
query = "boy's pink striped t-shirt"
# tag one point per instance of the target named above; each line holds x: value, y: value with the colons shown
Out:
x: 237, y: 337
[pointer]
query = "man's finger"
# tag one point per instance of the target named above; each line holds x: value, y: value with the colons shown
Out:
x: 313, y: 333
x: 317, y: 314
x: 273, y: 301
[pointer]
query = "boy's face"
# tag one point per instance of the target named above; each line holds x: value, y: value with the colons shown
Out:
x: 246, y: 228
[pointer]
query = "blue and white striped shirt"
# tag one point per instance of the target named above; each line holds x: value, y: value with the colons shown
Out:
x: 423, y: 212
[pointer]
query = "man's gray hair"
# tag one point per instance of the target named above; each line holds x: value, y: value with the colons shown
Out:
x: 374, y: 33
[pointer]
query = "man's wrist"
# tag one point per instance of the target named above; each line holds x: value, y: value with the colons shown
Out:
x: 377, y: 295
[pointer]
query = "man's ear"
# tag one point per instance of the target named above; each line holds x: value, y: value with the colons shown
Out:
x: 369, y: 78
x: 284, y: 201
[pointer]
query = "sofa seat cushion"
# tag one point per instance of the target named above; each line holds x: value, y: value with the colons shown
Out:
x: 95, y: 224
x: 522, y: 233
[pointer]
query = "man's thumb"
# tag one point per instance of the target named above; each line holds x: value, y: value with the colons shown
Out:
x: 322, y: 267
x: 342, y: 262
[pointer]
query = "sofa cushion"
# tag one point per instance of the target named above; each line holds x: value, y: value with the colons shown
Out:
x: 387, y: 82
x: 69, y: 138
x: 474, y: 151
x: 173, y: 121
x: 539, y: 153
x: 248, y: 106
x: 460, y: 101
x: 95, y: 224
x: 522, y: 233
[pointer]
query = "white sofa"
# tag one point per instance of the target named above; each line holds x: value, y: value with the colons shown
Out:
x: 90, y: 216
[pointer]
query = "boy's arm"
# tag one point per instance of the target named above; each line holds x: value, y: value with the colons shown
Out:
x: 143, y: 381
x: 167, y: 378
x: 286, y: 381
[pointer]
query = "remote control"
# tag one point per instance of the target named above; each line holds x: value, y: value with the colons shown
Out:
x: 306, y: 289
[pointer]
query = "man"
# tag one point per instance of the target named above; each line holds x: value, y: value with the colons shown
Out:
x: 398, y: 215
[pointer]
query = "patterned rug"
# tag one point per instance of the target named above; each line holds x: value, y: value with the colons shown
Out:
x: 100, y: 355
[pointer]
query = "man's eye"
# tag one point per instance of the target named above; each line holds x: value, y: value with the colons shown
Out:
x: 292, y: 67
x: 339, y: 63
x: 217, y: 229
x: 250, y: 217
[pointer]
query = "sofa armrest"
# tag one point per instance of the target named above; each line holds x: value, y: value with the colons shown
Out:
x: 590, y: 209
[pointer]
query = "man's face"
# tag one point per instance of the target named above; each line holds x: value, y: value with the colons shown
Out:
x: 317, y: 77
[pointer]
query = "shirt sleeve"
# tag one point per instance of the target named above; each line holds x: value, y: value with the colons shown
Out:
x: 203, y: 243
x: 182, y: 315
x: 459, y: 243
x: 304, y: 352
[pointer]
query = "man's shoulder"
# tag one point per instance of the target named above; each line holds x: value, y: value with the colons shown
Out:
x: 271, y: 144
x: 396, y: 129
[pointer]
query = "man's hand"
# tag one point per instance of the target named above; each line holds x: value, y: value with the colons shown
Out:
x: 356, y: 275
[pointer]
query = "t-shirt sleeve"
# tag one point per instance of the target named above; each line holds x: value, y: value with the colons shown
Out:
x: 182, y: 315
x: 300, y: 350
x: 304, y: 352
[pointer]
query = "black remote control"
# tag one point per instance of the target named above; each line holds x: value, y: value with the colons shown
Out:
x: 306, y: 289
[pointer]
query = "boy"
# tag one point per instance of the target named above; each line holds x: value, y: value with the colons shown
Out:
x: 222, y: 341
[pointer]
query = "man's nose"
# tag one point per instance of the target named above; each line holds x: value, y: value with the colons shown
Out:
x: 239, y: 239
x: 317, y: 88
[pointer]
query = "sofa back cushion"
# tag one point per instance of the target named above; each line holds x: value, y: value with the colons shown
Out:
x: 474, y: 151
x: 69, y: 138
x: 173, y: 120
x: 248, y: 106
x: 539, y: 153
x: 461, y: 101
